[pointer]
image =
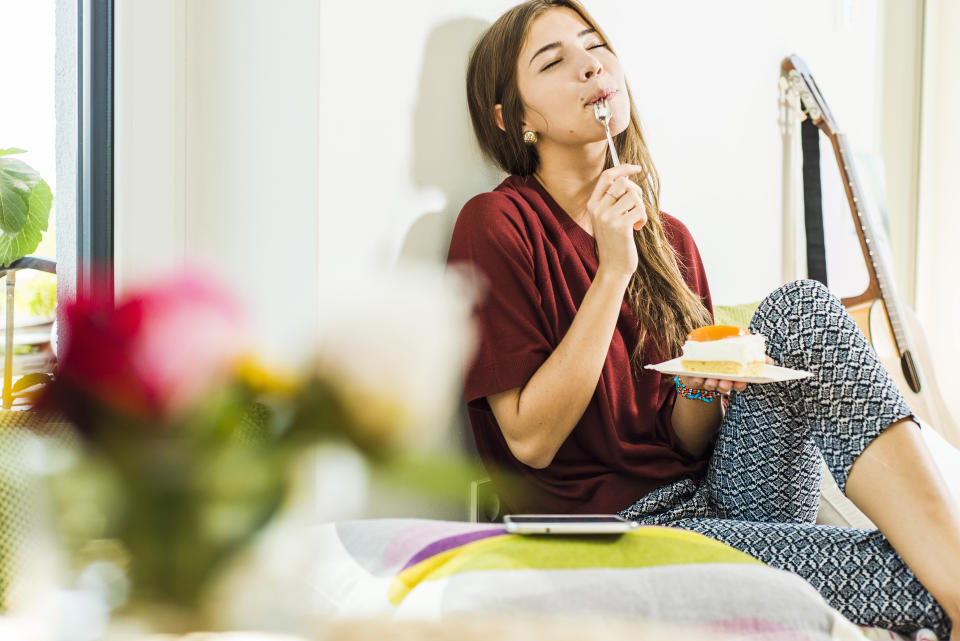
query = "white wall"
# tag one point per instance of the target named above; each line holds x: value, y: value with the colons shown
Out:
x: 938, y: 303
x: 149, y: 134
x: 333, y: 135
x: 217, y: 152
x: 252, y: 153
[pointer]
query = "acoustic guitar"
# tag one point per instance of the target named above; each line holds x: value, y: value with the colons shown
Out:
x: 890, y: 326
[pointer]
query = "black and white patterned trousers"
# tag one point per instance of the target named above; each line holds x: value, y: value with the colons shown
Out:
x: 761, y: 491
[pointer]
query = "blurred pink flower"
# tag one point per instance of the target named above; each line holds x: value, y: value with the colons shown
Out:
x: 158, y: 353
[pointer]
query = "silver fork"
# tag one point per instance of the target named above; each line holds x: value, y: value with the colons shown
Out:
x: 601, y: 111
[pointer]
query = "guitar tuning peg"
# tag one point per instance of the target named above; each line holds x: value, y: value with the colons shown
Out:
x: 796, y: 80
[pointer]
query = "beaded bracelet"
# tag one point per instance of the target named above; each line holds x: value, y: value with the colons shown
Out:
x: 707, y: 396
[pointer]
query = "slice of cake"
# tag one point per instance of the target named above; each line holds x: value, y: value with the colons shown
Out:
x: 723, y: 349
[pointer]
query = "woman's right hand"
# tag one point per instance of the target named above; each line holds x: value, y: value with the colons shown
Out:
x: 616, y: 209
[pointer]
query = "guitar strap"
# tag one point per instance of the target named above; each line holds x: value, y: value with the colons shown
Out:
x: 813, y: 202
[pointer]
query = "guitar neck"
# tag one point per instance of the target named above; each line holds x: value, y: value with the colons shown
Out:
x: 881, y: 280
x: 796, y: 77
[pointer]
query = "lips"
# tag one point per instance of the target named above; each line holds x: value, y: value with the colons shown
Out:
x: 603, y: 94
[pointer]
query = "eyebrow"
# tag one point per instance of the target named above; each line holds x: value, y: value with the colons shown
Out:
x: 555, y: 45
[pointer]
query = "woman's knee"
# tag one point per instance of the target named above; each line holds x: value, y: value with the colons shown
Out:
x: 803, y: 290
x: 789, y: 303
x: 803, y: 294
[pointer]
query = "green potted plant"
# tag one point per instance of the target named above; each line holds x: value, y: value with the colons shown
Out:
x: 25, y: 200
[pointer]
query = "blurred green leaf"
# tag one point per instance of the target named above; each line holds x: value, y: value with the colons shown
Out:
x: 29, y: 380
x: 13, y: 203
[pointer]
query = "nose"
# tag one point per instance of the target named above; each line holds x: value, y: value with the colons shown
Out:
x: 590, y: 66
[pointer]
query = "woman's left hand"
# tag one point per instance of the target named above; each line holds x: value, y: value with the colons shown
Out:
x: 721, y: 385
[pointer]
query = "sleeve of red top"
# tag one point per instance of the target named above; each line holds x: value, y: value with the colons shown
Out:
x: 491, y: 242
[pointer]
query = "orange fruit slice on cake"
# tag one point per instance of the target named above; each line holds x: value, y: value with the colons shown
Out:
x: 716, y: 333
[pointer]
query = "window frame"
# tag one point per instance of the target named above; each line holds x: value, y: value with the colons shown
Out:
x: 95, y: 75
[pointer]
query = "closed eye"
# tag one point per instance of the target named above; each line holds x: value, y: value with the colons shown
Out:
x: 559, y: 60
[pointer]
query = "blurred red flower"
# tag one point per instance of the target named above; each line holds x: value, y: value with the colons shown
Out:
x: 155, y: 355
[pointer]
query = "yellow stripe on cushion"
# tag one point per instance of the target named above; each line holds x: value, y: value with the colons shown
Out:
x: 649, y: 546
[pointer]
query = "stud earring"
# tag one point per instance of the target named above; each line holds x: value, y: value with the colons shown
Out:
x: 530, y: 137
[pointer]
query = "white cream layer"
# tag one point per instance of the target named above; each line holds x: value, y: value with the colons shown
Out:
x: 739, y: 349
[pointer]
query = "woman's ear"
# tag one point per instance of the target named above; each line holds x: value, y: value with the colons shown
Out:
x: 498, y: 116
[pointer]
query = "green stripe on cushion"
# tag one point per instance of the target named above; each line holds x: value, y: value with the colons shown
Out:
x: 736, y: 315
x: 647, y: 546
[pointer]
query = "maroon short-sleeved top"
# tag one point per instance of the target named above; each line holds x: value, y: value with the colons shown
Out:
x: 536, y: 264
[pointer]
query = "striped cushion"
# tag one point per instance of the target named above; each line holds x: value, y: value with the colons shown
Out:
x: 736, y: 315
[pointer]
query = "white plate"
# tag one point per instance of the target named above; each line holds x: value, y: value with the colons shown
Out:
x: 771, y: 373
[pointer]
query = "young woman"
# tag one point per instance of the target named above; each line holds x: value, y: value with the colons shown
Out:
x: 587, y: 280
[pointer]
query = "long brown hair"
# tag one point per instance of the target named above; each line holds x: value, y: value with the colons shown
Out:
x: 665, y: 306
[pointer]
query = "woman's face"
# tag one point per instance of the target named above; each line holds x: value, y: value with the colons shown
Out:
x: 564, y: 66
